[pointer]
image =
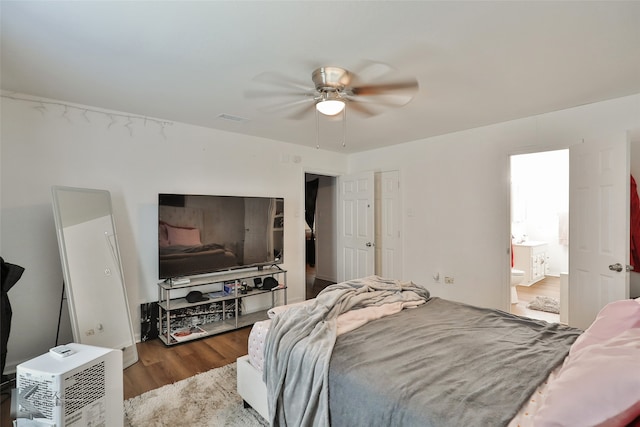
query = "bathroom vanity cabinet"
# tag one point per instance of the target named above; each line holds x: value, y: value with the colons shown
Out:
x: 530, y: 257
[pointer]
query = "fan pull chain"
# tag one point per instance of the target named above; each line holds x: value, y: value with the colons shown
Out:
x: 317, y: 129
x: 344, y: 126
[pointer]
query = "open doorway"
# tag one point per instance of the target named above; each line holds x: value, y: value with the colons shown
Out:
x: 320, y: 233
x: 539, y: 231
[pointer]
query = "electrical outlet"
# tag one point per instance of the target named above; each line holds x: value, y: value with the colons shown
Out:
x: 448, y: 280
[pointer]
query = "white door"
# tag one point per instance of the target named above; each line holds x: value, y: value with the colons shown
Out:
x: 598, y: 226
x: 356, y: 254
x: 388, y: 235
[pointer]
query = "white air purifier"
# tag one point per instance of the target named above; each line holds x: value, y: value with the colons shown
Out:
x: 77, y: 385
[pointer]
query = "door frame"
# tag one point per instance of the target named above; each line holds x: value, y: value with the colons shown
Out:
x: 300, y: 214
x: 531, y: 151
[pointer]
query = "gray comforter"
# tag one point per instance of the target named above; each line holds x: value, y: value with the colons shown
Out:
x: 442, y: 364
x: 300, y: 343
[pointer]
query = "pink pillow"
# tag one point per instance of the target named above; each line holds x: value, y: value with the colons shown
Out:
x: 163, y: 236
x: 182, y: 236
x: 614, y: 318
x: 599, y: 383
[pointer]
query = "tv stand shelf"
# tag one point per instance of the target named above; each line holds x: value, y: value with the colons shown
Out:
x: 218, y: 314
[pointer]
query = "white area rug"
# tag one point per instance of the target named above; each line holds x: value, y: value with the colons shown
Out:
x: 548, y: 304
x: 206, y: 399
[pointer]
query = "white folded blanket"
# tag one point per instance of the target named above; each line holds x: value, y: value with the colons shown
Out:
x: 273, y: 312
x: 353, y: 319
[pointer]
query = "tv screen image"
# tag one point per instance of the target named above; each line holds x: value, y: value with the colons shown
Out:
x: 200, y: 234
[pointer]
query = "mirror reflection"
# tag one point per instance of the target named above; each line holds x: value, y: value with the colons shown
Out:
x: 199, y: 234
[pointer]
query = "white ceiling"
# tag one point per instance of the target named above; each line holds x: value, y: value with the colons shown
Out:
x: 477, y: 62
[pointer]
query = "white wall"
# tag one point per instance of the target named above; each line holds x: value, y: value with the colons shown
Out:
x: 455, y: 192
x: 45, y: 147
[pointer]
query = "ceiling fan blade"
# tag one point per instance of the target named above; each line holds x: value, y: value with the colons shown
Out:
x: 302, y: 112
x: 387, y: 99
x: 364, y: 110
x: 255, y: 93
x: 280, y: 80
x: 410, y: 85
x: 276, y: 108
x: 371, y: 71
x: 366, y: 98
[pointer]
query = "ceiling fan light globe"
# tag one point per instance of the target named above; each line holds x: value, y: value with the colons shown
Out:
x: 330, y: 107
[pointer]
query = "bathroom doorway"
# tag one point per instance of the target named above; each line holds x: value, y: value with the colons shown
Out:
x: 320, y: 232
x: 539, y: 230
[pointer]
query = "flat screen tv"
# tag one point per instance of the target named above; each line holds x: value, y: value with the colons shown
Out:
x: 199, y: 234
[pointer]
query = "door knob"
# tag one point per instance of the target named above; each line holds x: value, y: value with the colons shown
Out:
x: 616, y: 267
x: 369, y: 244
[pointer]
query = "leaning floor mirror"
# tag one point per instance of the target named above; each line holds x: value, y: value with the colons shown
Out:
x: 94, y: 282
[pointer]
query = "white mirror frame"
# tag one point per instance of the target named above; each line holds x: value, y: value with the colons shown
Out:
x: 93, y: 277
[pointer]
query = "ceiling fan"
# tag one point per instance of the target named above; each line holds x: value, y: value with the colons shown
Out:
x: 332, y: 88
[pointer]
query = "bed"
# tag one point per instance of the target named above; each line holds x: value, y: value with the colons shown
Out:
x: 441, y: 363
x: 181, y: 232
x: 175, y: 260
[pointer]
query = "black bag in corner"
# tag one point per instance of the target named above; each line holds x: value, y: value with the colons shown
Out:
x: 11, y: 273
x: 269, y: 283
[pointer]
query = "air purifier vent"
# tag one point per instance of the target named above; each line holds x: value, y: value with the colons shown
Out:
x: 39, y: 391
x: 84, y: 388
x: 79, y: 390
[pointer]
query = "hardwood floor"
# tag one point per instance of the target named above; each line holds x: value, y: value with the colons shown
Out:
x: 313, y: 284
x: 5, y: 419
x: 550, y: 287
x: 159, y: 365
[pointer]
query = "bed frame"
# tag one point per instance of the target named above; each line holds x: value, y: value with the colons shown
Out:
x: 251, y: 387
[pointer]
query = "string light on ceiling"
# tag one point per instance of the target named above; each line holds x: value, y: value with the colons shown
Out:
x: 41, y: 106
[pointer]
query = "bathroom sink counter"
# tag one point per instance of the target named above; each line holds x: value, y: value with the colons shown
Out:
x: 530, y: 257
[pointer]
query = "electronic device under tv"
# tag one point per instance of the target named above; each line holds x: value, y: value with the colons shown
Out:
x: 201, y: 234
